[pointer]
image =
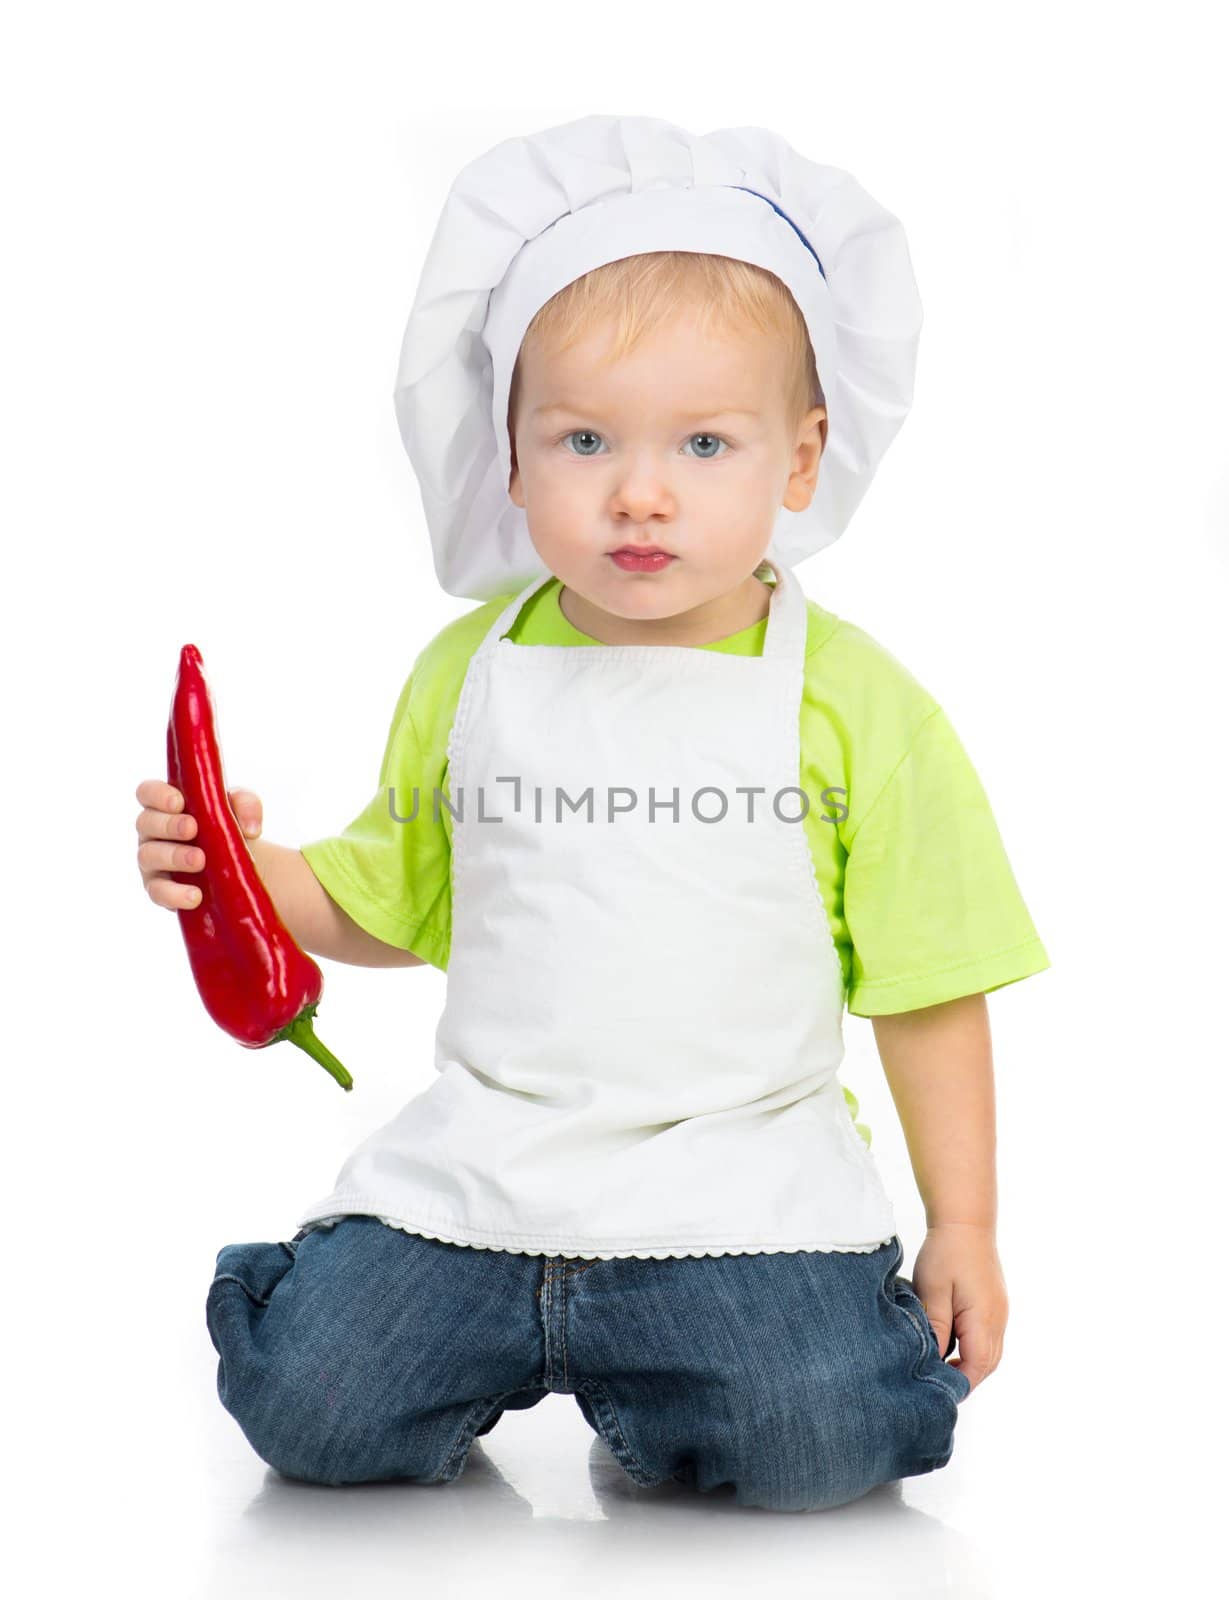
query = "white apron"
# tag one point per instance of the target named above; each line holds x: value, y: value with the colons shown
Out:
x: 639, y: 1045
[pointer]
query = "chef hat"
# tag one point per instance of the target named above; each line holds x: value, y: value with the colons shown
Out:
x: 537, y: 211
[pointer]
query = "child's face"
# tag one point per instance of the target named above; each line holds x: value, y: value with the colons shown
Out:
x: 683, y: 444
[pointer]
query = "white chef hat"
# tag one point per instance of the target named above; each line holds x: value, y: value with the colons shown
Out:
x: 537, y: 211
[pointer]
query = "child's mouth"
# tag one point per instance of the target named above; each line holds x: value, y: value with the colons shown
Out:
x: 636, y: 561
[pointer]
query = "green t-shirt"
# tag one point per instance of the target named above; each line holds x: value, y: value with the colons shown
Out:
x: 919, y: 893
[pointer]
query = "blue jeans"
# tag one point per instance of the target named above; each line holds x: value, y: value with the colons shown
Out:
x: 358, y: 1352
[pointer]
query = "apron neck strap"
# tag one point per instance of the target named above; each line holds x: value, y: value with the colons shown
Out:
x: 786, y: 634
x: 511, y: 612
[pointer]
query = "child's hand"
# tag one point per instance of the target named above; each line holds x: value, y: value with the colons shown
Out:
x: 958, y: 1279
x: 162, y: 827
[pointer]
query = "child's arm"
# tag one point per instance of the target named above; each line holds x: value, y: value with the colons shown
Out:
x: 940, y: 1071
x: 939, y: 1068
x: 314, y: 918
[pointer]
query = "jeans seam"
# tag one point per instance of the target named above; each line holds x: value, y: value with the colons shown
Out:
x: 474, y: 1418
x: 622, y: 1451
x: 563, y: 1280
x: 233, y: 1277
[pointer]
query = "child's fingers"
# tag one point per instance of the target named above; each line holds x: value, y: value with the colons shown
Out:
x: 174, y: 896
x: 159, y: 826
x: 157, y: 855
x: 159, y: 795
x: 248, y: 810
x: 153, y: 824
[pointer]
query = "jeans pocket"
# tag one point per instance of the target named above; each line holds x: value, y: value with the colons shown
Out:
x: 906, y: 1300
x: 935, y: 1365
x: 915, y: 1305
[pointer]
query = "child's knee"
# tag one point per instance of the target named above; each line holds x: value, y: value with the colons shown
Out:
x: 303, y: 1394
x: 251, y: 1351
x: 244, y: 1281
x: 259, y: 1267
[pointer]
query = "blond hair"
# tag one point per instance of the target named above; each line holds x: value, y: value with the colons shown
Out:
x: 639, y: 292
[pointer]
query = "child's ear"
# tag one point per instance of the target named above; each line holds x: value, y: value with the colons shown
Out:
x: 818, y: 414
x: 812, y: 439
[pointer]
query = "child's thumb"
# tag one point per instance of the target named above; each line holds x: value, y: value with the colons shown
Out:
x: 248, y: 811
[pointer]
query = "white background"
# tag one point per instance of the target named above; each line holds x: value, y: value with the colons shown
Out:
x: 216, y: 218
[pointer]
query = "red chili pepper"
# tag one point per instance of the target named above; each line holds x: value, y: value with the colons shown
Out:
x: 255, y: 981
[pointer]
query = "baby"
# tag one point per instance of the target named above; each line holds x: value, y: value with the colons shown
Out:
x: 662, y: 819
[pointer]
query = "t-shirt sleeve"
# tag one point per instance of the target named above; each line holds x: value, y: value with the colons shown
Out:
x: 388, y: 871
x: 931, y: 903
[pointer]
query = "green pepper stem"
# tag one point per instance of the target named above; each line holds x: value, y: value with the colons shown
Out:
x: 300, y: 1032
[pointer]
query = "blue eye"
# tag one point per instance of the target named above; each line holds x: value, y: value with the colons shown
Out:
x: 582, y: 433
x: 715, y: 438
